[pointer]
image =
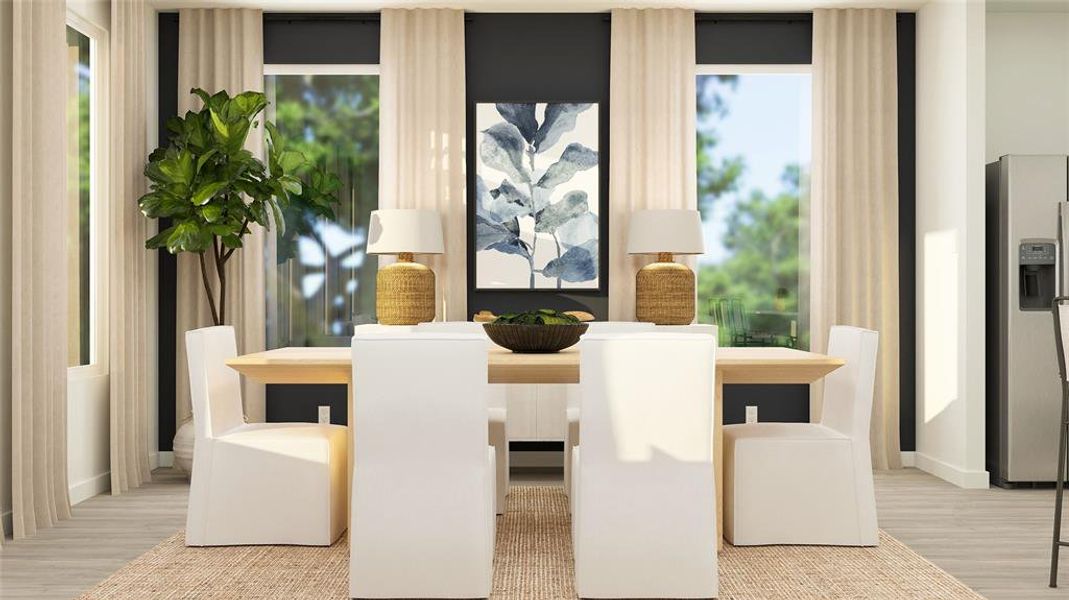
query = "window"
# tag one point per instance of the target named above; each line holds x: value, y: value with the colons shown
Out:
x: 81, y: 182
x: 753, y: 165
x: 321, y: 281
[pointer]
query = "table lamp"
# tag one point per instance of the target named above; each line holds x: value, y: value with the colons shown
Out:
x: 404, y: 293
x: 664, y: 290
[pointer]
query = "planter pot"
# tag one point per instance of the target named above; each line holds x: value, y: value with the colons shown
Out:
x: 183, y: 447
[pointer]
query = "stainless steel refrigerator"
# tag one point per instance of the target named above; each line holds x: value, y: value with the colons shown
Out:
x: 1027, y: 224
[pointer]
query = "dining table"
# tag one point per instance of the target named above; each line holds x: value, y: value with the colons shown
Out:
x: 734, y: 365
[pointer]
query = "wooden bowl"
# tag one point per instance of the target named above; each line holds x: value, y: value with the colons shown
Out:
x: 534, y: 339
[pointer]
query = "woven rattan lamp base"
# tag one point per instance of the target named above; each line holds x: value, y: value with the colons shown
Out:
x: 404, y: 293
x: 664, y: 294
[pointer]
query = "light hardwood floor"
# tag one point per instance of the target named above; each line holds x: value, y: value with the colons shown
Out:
x: 996, y: 541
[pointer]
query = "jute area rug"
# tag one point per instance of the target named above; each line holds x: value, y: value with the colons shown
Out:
x: 533, y: 562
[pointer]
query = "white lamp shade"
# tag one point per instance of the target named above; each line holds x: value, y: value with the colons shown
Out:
x: 397, y: 230
x: 676, y: 231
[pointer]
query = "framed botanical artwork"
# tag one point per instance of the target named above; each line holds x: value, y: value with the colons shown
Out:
x: 536, y: 196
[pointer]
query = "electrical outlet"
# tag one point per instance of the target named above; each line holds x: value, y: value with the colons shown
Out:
x: 324, y: 415
x: 751, y: 414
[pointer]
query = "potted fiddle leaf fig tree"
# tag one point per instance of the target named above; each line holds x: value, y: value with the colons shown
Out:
x: 212, y: 190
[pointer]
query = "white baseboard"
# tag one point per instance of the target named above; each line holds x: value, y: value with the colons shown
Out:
x: 86, y: 489
x: 971, y: 480
x: 909, y: 458
x: 165, y: 460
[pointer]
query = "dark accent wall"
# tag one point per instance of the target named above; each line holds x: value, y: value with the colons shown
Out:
x: 907, y: 230
x: 167, y: 63
x: 553, y: 58
x: 539, y: 58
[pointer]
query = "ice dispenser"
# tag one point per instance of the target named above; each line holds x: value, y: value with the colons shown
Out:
x: 1037, y: 262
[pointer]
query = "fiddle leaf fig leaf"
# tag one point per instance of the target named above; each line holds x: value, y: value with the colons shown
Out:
x: 574, y: 204
x: 579, y: 263
x: 502, y: 148
x: 575, y: 158
x: 559, y: 119
x: 522, y: 116
x: 207, y: 191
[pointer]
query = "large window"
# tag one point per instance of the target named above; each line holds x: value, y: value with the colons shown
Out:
x: 80, y: 187
x: 321, y: 281
x: 753, y: 165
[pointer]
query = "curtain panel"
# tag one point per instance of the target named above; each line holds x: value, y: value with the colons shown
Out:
x: 222, y: 49
x: 131, y: 272
x: 653, y: 143
x: 853, y: 211
x: 422, y: 118
x: 33, y: 197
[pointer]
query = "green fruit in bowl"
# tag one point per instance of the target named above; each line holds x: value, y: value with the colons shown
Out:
x: 542, y: 316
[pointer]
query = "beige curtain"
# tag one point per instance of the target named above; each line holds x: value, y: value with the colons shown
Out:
x: 36, y: 192
x: 853, y: 226
x: 652, y: 138
x: 421, y: 135
x: 5, y: 259
x: 222, y: 49
x: 131, y: 268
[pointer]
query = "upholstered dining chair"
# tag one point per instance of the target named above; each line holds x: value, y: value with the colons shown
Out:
x: 423, y: 519
x: 572, y: 393
x: 496, y: 410
x: 809, y: 483
x: 256, y: 483
x: 643, y: 494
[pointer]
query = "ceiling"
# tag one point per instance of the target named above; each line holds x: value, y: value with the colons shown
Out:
x: 543, y: 5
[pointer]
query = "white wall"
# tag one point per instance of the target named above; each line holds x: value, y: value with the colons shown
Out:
x: 1027, y: 83
x: 88, y: 458
x: 950, y: 238
x: 88, y: 410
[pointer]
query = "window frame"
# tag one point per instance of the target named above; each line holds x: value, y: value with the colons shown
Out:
x: 804, y: 289
x: 99, y: 188
x: 753, y: 69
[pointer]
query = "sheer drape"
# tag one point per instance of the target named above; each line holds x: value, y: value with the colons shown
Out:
x: 33, y: 37
x: 653, y: 142
x: 421, y: 135
x: 222, y: 49
x: 131, y: 270
x: 853, y: 220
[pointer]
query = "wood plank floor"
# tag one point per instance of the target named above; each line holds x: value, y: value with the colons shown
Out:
x: 996, y: 541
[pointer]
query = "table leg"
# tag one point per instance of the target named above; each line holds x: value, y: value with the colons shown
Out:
x: 349, y: 467
x: 718, y: 457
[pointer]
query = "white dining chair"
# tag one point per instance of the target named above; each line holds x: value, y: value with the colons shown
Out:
x: 423, y: 483
x: 573, y: 395
x: 256, y: 483
x: 497, y: 413
x: 643, y: 494
x: 809, y: 483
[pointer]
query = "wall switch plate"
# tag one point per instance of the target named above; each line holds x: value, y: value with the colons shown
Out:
x: 751, y: 414
x: 324, y: 415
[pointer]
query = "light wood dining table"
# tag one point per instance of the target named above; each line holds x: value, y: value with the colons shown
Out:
x: 733, y: 365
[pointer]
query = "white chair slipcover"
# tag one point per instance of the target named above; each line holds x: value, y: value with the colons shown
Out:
x: 643, y: 494
x: 497, y: 412
x: 809, y: 483
x: 423, y: 484
x: 256, y: 483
